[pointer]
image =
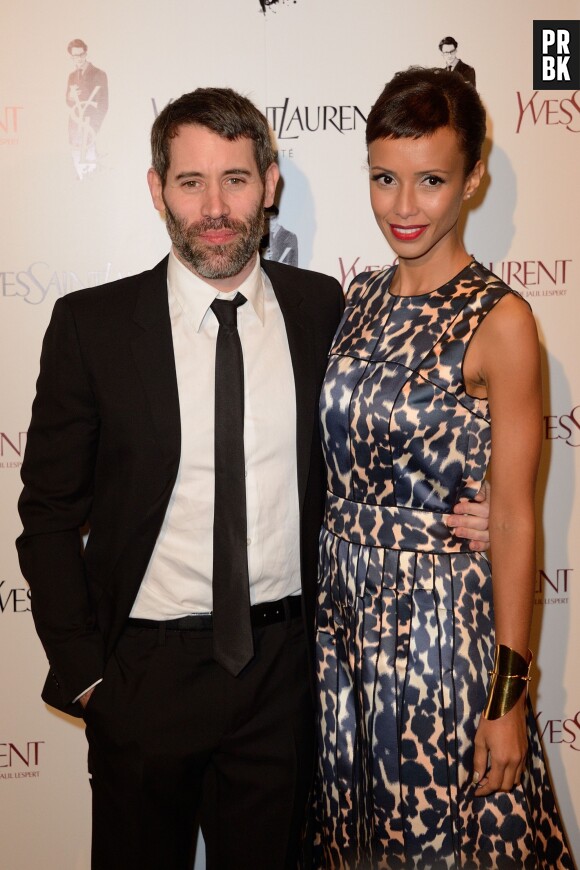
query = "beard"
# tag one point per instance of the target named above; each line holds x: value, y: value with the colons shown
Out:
x: 216, y: 261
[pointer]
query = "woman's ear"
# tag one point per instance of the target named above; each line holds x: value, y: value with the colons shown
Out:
x: 473, y: 180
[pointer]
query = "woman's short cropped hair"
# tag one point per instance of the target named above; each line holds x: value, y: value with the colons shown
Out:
x: 418, y: 101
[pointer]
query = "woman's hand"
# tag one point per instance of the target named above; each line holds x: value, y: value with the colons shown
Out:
x: 500, y: 750
x: 470, y: 519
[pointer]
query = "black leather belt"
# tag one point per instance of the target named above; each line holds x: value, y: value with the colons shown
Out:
x: 261, y: 614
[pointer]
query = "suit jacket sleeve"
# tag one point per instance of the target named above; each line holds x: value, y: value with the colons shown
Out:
x: 468, y: 72
x: 293, y: 256
x: 69, y: 83
x: 57, y: 473
x: 102, y: 99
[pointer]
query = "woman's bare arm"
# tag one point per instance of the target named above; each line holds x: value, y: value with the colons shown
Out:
x: 507, y: 350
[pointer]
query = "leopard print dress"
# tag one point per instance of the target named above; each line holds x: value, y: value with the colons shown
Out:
x: 405, y: 630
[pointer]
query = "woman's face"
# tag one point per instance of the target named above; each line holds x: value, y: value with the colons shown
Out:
x: 417, y: 188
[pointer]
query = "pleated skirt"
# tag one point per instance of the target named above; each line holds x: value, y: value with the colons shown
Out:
x: 405, y: 640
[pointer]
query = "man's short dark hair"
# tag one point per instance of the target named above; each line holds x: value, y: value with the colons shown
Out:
x: 448, y: 41
x: 221, y: 110
x: 418, y: 101
x: 77, y: 43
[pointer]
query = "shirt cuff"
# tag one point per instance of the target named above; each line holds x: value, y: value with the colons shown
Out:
x: 88, y: 689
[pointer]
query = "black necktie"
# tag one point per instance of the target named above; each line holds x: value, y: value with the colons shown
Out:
x: 233, y: 644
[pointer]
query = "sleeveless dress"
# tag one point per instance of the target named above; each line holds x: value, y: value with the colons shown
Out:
x: 405, y: 630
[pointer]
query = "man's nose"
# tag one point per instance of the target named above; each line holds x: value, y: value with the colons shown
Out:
x: 214, y: 202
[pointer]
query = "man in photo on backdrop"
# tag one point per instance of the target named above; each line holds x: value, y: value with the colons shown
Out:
x: 281, y: 244
x: 87, y: 96
x: 448, y: 48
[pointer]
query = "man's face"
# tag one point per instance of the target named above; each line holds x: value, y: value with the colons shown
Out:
x: 79, y: 57
x: 449, y: 54
x: 213, y: 201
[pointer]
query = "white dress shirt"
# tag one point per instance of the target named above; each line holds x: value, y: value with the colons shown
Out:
x: 178, y: 580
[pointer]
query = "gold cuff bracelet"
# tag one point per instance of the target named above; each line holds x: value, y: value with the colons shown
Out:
x: 509, y: 677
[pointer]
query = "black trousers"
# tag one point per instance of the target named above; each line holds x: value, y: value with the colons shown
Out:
x: 172, y: 737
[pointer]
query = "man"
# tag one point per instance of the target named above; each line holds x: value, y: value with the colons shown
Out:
x: 282, y: 245
x: 448, y: 48
x: 127, y: 429
x: 87, y: 94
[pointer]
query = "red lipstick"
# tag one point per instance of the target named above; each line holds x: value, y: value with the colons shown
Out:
x: 407, y: 233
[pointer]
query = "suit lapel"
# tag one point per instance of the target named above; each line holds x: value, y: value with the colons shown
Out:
x: 152, y: 348
x: 298, y: 330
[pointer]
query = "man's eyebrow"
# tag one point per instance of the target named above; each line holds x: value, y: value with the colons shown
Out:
x: 237, y: 172
x: 193, y: 174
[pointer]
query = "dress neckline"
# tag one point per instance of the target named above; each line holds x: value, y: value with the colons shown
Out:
x: 453, y: 281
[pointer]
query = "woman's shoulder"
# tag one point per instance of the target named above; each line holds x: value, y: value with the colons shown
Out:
x: 512, y: 314
x: 490, y: 283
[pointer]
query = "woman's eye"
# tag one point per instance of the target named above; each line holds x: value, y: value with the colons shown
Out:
x: 383, y: 179
x: 433, y: 181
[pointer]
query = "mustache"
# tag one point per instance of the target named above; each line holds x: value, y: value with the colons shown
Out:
x: 221, y: 223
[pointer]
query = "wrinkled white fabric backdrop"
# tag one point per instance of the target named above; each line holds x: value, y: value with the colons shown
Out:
x: 315, y: 64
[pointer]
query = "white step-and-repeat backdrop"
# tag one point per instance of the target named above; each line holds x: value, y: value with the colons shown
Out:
x: 76, y: 212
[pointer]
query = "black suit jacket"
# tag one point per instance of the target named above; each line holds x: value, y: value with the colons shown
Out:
x: 103, y: 450
x: 284, y: 247
x: 463, y: 69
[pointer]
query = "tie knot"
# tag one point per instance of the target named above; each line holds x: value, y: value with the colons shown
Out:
x: 226, y: 311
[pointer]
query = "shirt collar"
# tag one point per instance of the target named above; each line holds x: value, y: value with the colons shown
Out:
x: 195, y: 295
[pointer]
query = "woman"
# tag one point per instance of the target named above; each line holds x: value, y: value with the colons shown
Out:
x: 422, y: 754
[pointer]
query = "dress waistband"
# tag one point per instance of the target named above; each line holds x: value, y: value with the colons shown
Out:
x: 393, y: 528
